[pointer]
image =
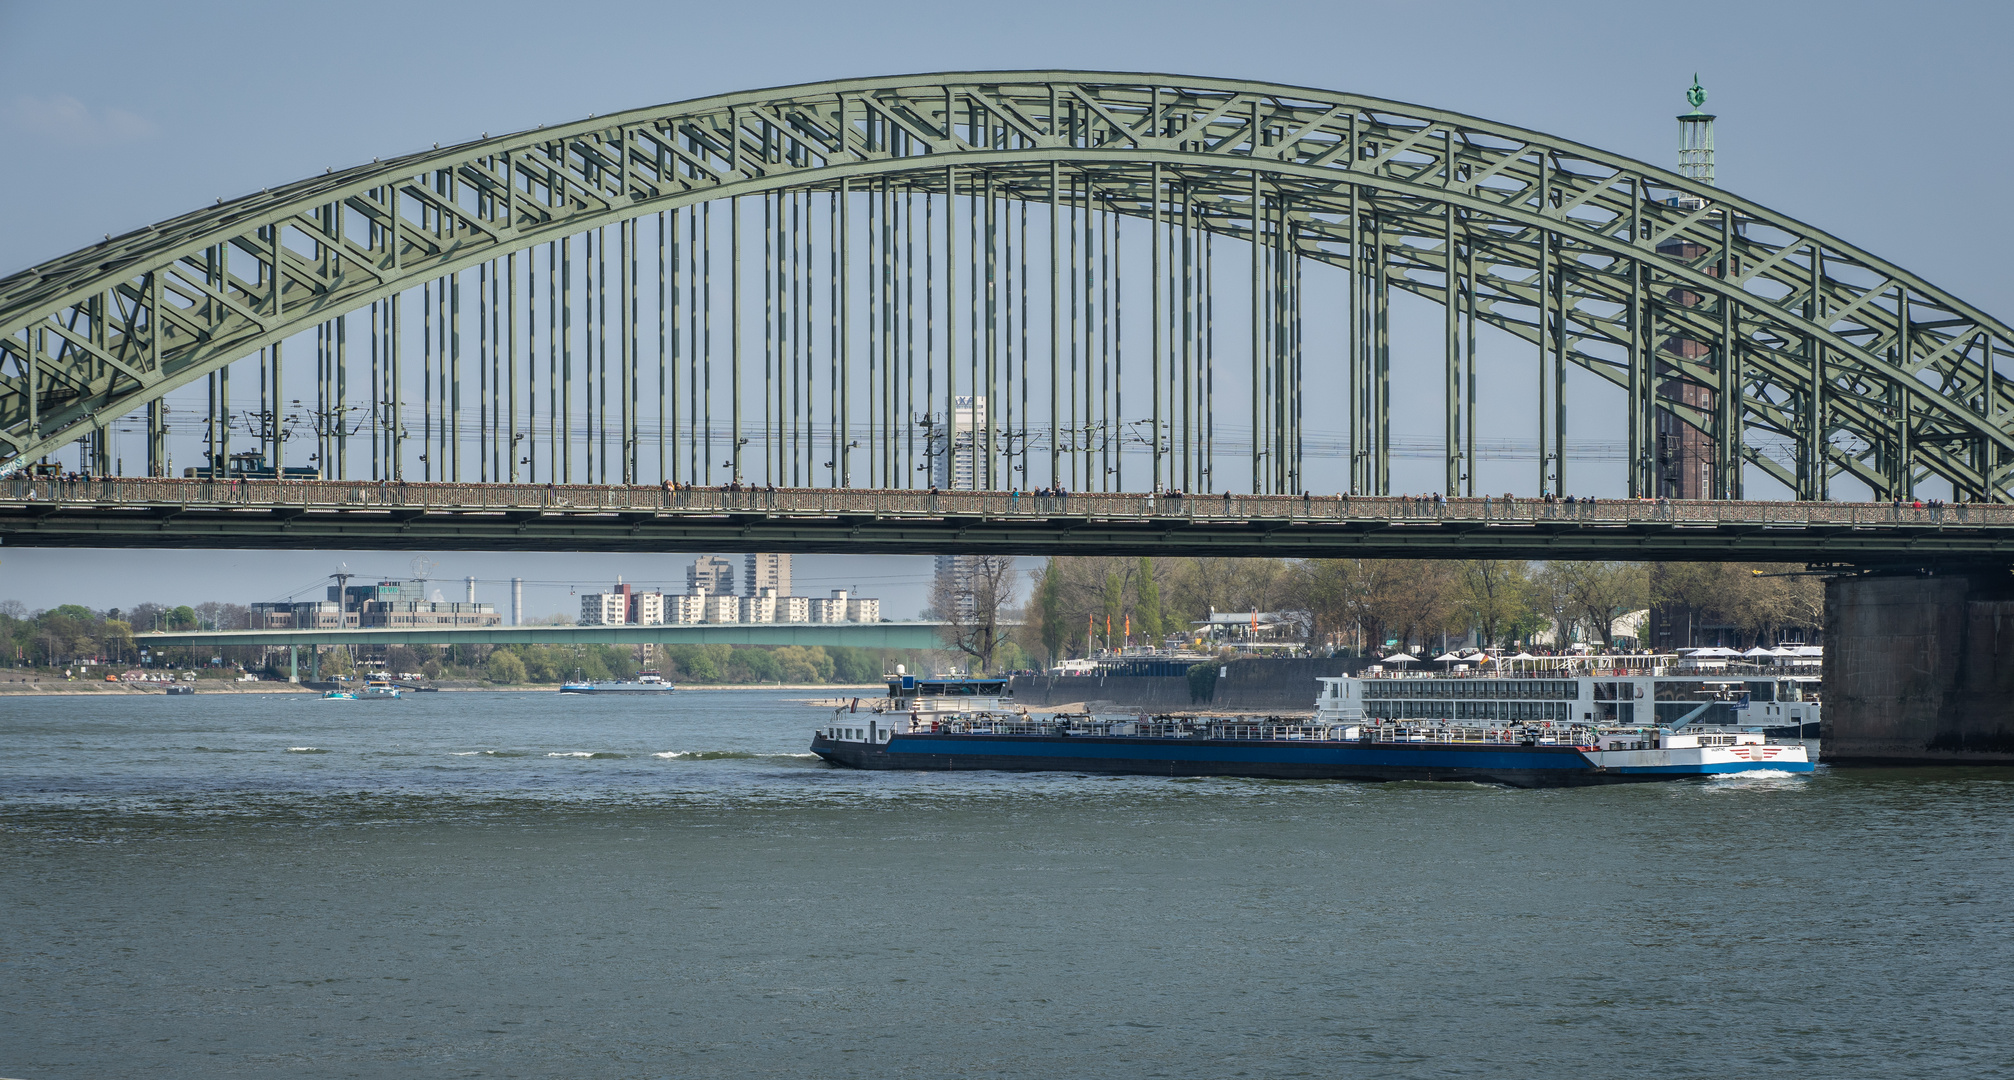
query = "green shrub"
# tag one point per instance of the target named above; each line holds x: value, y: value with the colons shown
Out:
x: 1202, y: 683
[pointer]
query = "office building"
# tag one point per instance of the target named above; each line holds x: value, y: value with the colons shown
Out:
x: 384, y: 604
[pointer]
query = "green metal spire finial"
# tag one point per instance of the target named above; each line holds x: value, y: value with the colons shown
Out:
x: 1696, y: 95
x: 1695, y: 136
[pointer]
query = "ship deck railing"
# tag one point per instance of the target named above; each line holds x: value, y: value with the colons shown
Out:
x: 1595, y: 668
x: 1276, y: 731
x: 1480, y: 734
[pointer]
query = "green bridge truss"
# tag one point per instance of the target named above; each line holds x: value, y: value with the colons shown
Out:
x: 886, y: 635
x: 1596, y: 260
x: 383, y: 516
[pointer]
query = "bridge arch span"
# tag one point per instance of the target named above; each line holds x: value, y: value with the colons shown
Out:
x: 1782, y: 348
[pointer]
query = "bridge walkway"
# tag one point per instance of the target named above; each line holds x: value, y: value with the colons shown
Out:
x: 152, y: 512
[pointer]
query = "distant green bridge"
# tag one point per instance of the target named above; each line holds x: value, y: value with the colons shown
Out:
x: 883, y: 635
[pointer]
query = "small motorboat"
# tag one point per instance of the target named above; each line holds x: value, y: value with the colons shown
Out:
x: 375, y: 690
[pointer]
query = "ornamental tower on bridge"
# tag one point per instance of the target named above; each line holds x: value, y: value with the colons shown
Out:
x: 1685, y: 460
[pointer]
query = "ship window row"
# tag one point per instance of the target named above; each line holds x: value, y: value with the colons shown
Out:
x: 1501, y: 711
x: 1474, y: 689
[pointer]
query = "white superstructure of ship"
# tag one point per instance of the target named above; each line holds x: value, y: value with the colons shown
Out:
x: 1702, y: 711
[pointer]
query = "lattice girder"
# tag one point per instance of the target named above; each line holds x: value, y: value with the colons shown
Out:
x: 109, y: 328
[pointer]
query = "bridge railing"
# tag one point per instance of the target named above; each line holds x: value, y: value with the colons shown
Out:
x: 885, y: 503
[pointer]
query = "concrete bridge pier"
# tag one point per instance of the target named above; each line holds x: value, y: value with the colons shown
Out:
x: 1919, y: 668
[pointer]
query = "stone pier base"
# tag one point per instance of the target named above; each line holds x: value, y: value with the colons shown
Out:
x: 1920, y: 669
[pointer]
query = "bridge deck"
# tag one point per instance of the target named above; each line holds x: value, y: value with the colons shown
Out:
x: 334, y: 514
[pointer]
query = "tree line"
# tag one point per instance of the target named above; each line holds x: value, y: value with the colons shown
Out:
x: 72, y: 633
x: 1368, y: 604
x: 1069, y: 602
x: 710, y: 664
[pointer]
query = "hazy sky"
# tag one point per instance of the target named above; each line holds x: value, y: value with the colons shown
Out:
x: 1884, y: 123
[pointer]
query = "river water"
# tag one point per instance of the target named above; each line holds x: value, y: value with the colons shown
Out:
x: 530, y: 885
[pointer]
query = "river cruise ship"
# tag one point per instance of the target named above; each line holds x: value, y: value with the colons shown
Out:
x: 1664, y: 691
x: 1619, y: 720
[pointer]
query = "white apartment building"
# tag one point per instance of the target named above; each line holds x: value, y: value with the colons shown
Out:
x: 721, y: 609
x: 829, y: 609
x: 959, y: 469
x: 955, y: 577
x: 624, y: 606
x: 604, y: 609
x: 627, y: 607
x: 770, y: 572
x: 840, y: 607
x: 685, y: 610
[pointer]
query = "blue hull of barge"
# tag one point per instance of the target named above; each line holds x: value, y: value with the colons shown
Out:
x: 1718, y: 768
x: 1517, y: 766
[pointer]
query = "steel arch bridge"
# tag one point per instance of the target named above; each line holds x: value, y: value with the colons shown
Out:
x: 1718, y: 318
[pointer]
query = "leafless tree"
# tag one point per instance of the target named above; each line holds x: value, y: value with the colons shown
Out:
x: 972, y: 603
x: 1592, y: 595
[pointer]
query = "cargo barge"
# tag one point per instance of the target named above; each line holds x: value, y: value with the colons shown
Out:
x: 649, y: 682
x: 1545, y: 729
